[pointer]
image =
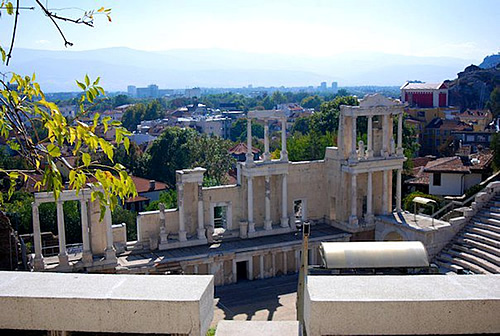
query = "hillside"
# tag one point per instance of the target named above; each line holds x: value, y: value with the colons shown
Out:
x: 473, y: 87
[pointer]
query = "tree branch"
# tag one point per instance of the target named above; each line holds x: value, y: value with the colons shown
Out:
x: 66, y: 42
x: 9, y: 55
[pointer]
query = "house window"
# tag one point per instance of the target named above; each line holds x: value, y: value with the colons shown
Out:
x: 436, y: 179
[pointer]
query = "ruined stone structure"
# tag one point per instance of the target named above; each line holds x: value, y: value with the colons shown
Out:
x: 247, y: 230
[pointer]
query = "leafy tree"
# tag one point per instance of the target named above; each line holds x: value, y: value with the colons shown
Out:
x: 168, y: 198
x: 238, y: 131
x: 24, y: 102
x: 169, y: 152
x: 494, y: 102
x: 312, y: 102
x: 122, y: 100
x: 495, y: 147
x: 121, y: 215
x: 211, y: 152
x: 278, y: 98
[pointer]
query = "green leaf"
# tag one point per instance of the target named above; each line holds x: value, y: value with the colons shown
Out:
x: 81, y: 85
x: 87, y: 80
x: 96, y: 82
x: 4, y: 55
x: 86, y: 159
x: 53, y: 150
x: 10, y: 8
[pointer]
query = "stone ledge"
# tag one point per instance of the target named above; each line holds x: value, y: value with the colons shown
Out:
x: 106, y: 303
x: 275, y: 328
x: 377, y: 305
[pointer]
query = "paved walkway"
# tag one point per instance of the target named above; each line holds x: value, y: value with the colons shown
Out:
x: 259, y: 300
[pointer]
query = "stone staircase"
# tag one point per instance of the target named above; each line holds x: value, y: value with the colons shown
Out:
x: 476, y: 248
x: 172, y: 267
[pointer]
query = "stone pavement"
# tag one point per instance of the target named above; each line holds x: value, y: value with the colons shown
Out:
x: 270, y: 299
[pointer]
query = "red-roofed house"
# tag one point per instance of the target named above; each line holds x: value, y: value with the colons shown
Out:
x: 452, y: 176
x: 418, y: 94
x: 240, y: 150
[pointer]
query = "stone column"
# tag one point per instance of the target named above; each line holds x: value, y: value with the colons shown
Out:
x: 267, y: 221
x: 87, y: 254
x: 110, y: 250
x: 370, y: 137
x: 399, y: 150
x: 37, y: 238
x: 195, y: 269
x: 284, y: 152
x: 267, y: 155
x: 250, y: 268
x: 340, y: 137
x: 385, y: 194
x: 261, y: 266
x: 251, y: 224
x: 235, y: 272
x: 182, y: 223
x: 284, y: 202
x: 273, y: 262
x: 285, y: 263
x: 249, y: 141
x: 353, y: 219
x: 398, y: 190
x: 369, y: 198
x: 354, y: 155
x: 63, y: 255
x: 163, y: 228
x: 385, y: 135
x: 201, y: 224
x: 297, y: 260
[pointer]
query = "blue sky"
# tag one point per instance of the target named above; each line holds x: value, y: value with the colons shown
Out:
x: 462, y: 29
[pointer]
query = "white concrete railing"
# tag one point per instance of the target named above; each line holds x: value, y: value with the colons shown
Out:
x: 106, y: 303
x: 402, y: 305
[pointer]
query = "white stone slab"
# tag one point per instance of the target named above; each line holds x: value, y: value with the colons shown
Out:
x: 274, y: 328
x: 106, y: 303
x: 434, y: 304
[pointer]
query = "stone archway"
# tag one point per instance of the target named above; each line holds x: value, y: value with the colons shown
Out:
x: 393, y: 236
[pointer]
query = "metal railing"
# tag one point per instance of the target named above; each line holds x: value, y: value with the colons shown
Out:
x: 460, y: 201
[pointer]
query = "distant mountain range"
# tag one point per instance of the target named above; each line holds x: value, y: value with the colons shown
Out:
x: 183, y: 68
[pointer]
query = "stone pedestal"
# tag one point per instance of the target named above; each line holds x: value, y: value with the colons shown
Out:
x: 284, y: 222
x: 182, y: 236
x: 163, y: 239
x: 87, y: 258
x: 243, y: 229
x: 201, y: 233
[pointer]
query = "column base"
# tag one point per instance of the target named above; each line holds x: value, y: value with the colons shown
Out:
x: 63, y: 260
x: 268, y: 225
x: 400, y: 152
x: 369, y: 153
x: 267, y: 157
x: 284, y: 222
x: 110, y: 254
x: 182, y: 236
x: 39, y: 264
x: 353, y: 221
x: 87, y: 258
x: 201, y: 233
x: 284, y: 156
x: 243, y: 229
x: 369, y: 218
x: 251, y: 227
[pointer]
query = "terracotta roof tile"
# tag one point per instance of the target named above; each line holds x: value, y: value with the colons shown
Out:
x: 242, y: 148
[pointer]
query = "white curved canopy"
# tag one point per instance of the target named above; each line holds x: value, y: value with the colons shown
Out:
x: 373, y: 254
